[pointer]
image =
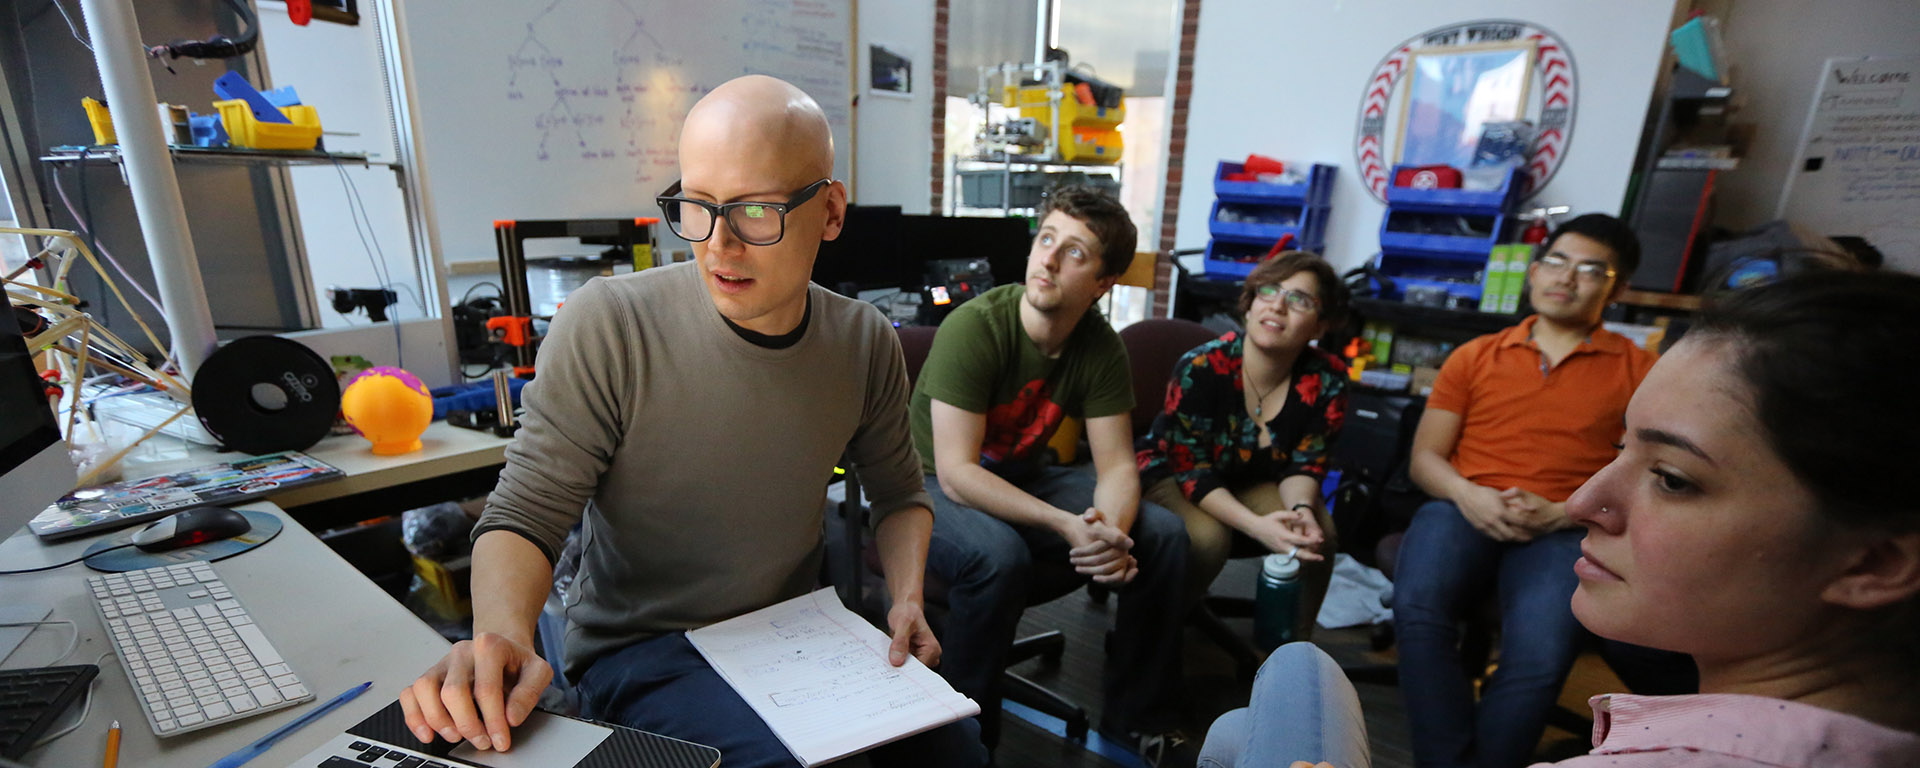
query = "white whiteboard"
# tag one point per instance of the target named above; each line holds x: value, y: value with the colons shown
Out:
x: 1858, y: 168
x: 572, y: 108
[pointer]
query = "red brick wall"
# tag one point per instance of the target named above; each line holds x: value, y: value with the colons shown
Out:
x: 938, y: 174
x: 1176, y: 155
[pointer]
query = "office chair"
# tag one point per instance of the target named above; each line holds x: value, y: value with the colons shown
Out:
x: 858, y: 565
x: 1154, y: 347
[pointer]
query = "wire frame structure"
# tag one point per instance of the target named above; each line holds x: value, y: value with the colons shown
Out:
x: 77, y: 346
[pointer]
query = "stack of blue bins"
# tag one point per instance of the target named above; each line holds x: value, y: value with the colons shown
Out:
x: 1415, y: 255
x: 1250, y: 216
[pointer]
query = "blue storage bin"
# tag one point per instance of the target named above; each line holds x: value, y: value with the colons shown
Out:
x: 1457, y: 278
x: 1232, y: 259
x: 1316, y: 192
x: 1488, y: 201
x: 1472, y: 249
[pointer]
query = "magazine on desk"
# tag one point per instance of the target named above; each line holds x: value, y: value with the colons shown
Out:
x: 818, y: 675
x: 102, y: 508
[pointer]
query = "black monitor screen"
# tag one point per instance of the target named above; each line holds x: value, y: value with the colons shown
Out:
x: 29, y: 426
x: 867, y: 253
x: 1002, y: 242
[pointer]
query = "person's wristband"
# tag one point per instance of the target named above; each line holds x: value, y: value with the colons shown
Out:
x: 1309, y: 507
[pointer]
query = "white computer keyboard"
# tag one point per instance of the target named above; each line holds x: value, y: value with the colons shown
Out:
x: 193, y: 654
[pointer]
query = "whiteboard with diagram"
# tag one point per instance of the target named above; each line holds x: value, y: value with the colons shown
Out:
x: 572, y: 108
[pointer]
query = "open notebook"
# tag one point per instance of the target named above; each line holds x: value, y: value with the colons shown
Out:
x: 818, y: 675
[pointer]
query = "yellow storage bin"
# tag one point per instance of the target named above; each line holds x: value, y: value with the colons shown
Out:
x: 1086, y: 132
x: 100, y: 119
x: 1091, y: 145
x: 243, y: 130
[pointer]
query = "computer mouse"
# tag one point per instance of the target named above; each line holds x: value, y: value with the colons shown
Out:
x: 194, y: 526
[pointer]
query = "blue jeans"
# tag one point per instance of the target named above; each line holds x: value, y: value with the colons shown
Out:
x: 1303, y: 709
x: 993, y: 570
x: 664, y: 686
x: 1446, y: 567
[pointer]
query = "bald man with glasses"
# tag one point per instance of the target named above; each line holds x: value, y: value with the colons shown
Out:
x: 688, y: 417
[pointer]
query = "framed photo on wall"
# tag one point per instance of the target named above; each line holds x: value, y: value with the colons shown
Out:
x: 889, y: 73
x: 1452, y: 92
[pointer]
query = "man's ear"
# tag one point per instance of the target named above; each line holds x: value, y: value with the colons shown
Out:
x: 836, y: 194
x: 1884, y: 572
x: 1106, y: 284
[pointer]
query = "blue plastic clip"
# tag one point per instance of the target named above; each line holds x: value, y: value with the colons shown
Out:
x: 232, y: 86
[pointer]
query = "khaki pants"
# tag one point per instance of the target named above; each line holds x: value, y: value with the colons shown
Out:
x: 1211, y: 542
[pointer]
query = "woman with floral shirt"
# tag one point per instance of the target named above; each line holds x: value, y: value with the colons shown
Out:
x: 1240, y: 448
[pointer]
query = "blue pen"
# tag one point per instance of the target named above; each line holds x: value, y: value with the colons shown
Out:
x: 253, y: 750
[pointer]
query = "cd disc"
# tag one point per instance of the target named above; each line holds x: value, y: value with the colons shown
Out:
x: 263, y: 394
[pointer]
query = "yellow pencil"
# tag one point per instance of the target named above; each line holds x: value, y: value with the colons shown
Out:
x: 113, y: 746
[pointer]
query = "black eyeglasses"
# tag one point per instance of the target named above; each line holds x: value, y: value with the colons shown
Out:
x: 754, y: 223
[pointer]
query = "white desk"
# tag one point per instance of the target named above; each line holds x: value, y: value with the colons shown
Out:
x: 334, y: 627
x: 445, y: 451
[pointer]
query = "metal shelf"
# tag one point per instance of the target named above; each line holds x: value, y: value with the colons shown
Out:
x: 110, y: 153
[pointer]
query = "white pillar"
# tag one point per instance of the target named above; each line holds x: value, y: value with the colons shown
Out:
x: 156, y: 191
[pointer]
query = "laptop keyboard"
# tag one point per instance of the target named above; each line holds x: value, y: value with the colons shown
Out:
x: 348, y: 751
x: 193, y: 654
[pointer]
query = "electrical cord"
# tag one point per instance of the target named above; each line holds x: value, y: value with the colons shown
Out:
x: 86, y: 228
x: 67, y: 563
x: 468, y: 296
x: 70, y: 27
x: 73, y: 640
x: 218, y: 46
x: 86, y: 710
x: 385, y: 277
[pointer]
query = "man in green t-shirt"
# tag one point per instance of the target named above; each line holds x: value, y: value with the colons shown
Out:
x: 1004, y: 371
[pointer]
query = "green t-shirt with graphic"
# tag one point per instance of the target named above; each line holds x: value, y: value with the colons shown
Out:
x: 982, y: 361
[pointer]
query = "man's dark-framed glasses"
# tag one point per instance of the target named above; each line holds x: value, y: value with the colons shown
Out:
x: 755, y: 223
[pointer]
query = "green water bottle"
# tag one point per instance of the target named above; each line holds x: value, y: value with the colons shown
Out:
x: 1276, y: 601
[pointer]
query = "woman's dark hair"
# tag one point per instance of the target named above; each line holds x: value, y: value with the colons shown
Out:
x: 1830, y: 360
x: 1334, y: 296
x: 1608, y: 231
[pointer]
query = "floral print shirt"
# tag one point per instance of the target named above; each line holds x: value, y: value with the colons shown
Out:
x: 1205, y: 439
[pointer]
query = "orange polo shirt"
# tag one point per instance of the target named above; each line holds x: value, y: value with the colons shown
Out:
x: 1543, y: 429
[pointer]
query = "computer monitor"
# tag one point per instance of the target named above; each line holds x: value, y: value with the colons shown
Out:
x: 35, y: 470
x: 867, y: 253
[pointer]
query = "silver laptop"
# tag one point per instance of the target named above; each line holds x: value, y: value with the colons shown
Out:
x: 546, y: 740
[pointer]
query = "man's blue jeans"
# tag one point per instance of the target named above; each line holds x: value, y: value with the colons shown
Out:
x: 664, y: 686
x: 993, y: 570
x: 1446, y: 568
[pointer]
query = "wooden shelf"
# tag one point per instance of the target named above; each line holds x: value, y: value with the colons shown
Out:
x: 1680, y: 301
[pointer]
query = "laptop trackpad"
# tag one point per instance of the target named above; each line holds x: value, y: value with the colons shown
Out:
x: 543, y: 741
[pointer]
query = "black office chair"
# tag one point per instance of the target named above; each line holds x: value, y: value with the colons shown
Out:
x: 856, y: 567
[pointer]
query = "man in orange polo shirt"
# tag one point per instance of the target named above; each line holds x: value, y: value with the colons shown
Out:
x: 1516, y: 422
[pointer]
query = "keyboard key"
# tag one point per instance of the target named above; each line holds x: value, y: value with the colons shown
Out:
x: 191, y: 720
x: 339, y: 762
x: 294, y: 692
x: 242, y: 703
x: 409, y: 762
x: 217, y: 710
x: 267, y: 695
x: 257, y: 642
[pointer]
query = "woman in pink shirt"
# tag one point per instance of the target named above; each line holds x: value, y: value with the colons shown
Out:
x: 1760, y: 516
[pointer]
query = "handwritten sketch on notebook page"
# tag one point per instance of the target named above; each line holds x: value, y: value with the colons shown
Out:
x: 818, y: 675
